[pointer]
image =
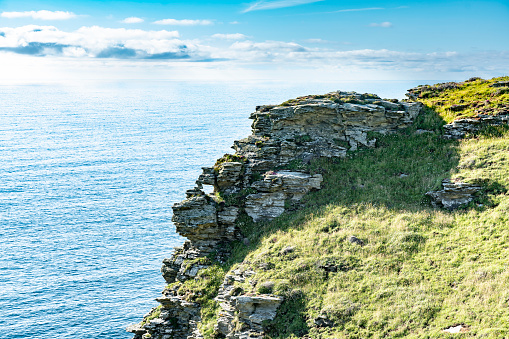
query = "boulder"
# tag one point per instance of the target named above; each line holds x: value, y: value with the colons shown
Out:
x: 453, y: 194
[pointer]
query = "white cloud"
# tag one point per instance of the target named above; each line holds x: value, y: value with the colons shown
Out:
x: 184, y: 22
x: 119, y: 45
x: 132, y: 20
x: 22, y: 69
x: 121, y: 34
x: 385, y: 24
x: 233, y: 36
x: 234, y: 23
x: 96, y: 41
x: 74, y: 52
x: 39, y: 15
x: 317, y: 41
x: 267, y: 51
x: 262, y: 5
x: 267, y: 46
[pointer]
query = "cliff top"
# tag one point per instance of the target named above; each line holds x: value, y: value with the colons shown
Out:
x: 455, y: 100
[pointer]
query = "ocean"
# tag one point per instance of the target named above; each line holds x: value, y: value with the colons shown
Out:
x: 88, y: 175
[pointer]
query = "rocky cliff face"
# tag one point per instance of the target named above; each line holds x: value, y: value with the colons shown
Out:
x: 252, y: 182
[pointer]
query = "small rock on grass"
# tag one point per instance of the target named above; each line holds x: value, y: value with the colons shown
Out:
x: 457, y: 329
x: 354, y: 240
x: 287, y: 250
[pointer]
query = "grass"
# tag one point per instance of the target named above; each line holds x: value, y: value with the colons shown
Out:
x: 228, y: 158
x: 335, y: 97
x: 420, y: 270
x: 467, y: 99
x: 155, y: 313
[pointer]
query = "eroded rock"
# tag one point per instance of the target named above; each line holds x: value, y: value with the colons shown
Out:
x: 453, y: 194
x: 460, y: 128
x: 500, y: 84
x: 320, y: 128
x: 275, y: 189
x: 228, y: 176
x: 242, y: 315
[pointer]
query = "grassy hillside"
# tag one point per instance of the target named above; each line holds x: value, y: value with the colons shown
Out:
x: 456, y: 100
x: 415, y: 270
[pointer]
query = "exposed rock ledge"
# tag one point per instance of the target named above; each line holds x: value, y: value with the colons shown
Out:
x: 453, y: 194
x: 249, y: 182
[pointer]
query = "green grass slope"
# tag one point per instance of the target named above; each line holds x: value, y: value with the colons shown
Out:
x: 458, y: 100
x: 420, y: 270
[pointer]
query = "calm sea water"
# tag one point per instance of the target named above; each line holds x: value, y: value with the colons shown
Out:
x: 88, y: 175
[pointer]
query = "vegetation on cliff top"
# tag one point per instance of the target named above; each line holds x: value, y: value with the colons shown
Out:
x: 411, y: 270
x: 465, y: 99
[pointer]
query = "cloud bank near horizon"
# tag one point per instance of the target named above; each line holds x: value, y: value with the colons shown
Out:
x: 97, y: 42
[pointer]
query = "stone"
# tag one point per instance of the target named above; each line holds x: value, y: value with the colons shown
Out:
x: 265, y: 206
x: 228, y: 215
x: 275, y: 188
x: 257, y: 309
x: 460, y: 128
x: 208, y: 176
x: 228, y: 176
x: 458, y: 108
x: 391, y: 105
x: 323, y: 321
x: 136, y: 329
x: 329, y: 267
x: 354, y: 240
x: 287, y: 250
x: 242, y: 315
x: 457, y: 329
x: 193, y: 214
x: 423, y: 131
x: 310, y: 127
x: 500, y: 84
x: 453, y: 194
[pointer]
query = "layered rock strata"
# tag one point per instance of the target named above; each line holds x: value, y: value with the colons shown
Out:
x: 453, y: 194
x: 252, y: 182
x: 249, y: 311
x: 460, y: 128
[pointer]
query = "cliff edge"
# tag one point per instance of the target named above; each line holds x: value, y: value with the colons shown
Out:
x: 264, y: 258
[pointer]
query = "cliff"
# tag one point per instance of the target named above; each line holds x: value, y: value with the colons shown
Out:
x: 265, y: 257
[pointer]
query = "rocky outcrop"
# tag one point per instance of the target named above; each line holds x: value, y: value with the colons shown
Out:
x: 241, y: 315
x: 460, y: 128
x: 175, y: 318
x: 253, y: 182
x: 327, y: 127
x: 453, y: 194
x: 500, y: 84
x: 275, y: 190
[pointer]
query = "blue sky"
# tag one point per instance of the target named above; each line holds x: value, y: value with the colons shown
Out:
x: 269, y: 39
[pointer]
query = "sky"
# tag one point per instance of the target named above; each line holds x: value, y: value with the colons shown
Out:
x: 296, y: 40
